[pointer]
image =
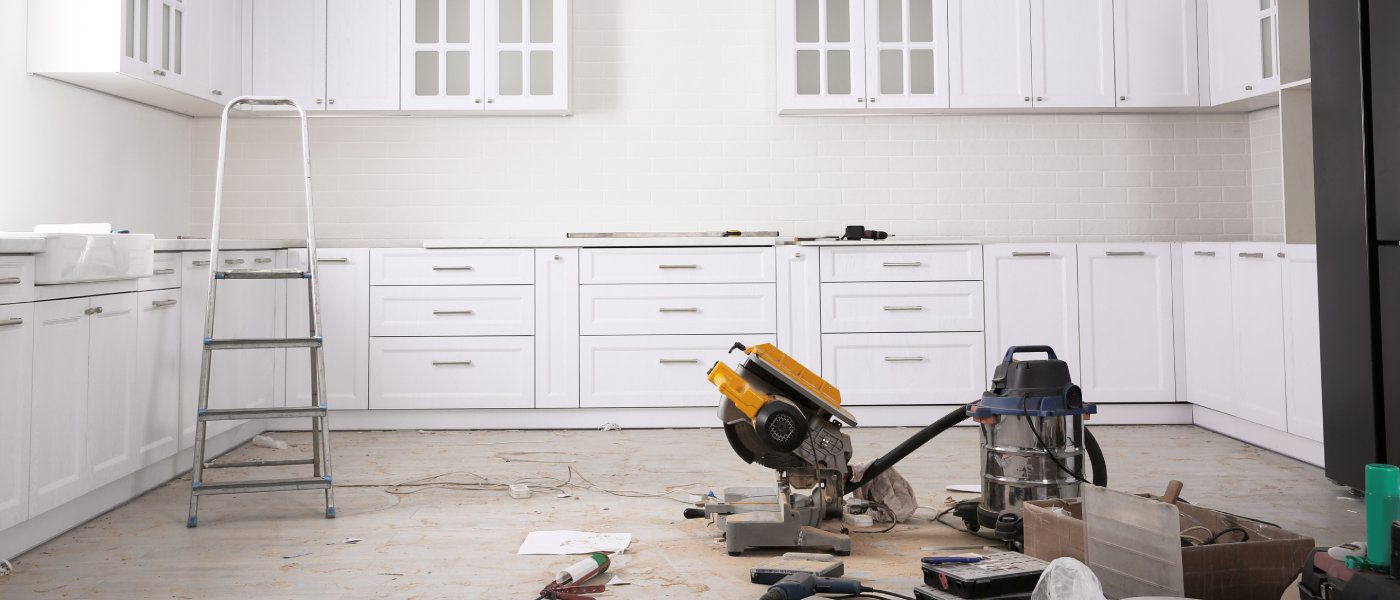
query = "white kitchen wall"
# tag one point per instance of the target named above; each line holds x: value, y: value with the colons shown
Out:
x: 72, y: 155
x: 1266, y: 174
x: 676, y: 128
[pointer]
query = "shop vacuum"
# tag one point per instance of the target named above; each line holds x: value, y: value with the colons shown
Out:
x: 781, y: 415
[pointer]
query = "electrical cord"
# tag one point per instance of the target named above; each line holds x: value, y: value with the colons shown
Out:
x: 868, y: 592
x: 1026, y: 414
x: 482, y: 484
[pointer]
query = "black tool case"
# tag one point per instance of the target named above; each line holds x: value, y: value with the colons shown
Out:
x: 997, y: 575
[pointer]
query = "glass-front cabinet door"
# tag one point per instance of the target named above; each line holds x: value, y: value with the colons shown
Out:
x: 138, y: 39
x: 525, y: 62
x: 442, y: 54
x: 906, y: 62
x: 822, y: 61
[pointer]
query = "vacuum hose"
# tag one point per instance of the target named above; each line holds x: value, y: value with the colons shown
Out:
x: 1096, y: 461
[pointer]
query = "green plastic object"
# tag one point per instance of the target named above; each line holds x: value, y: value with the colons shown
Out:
x: 1382, y: 504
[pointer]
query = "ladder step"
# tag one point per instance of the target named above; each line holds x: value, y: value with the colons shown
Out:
x: 261, y: 485
x: 262, y: 274
x: 260, y: 463
x: 234, y: 414
x: 238, y: 344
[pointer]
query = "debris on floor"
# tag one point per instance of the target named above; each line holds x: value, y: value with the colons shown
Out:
x: 611, y: 427
x: 349, y: 540
x: 574, y: 542
x: 6, y: 567
x: 295, y: 555
x: 269, y: 442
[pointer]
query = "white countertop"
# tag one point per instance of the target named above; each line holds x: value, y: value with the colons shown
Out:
x: 898, y: 240
x: 21, y: 243
x: 633, y: 242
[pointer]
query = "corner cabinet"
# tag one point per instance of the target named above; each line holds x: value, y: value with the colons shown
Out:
x: 485, y: 55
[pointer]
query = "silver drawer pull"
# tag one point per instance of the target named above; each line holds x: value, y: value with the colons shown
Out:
x: 333, y: 260
x: 457, y: 268
x: 262, y: 261
x: 93, y: 311
x: 1251, y: 255
x: 678, y: 266
x: 454, y: 312
x: 9, y: 281
x: 904, y: 264
x: 199, y: 263
x: 163, y: 272
x: 686, y: 309
x: 1030, y: 254
x: 904, y: 308
x: 9, y: 322
x: 679, y: 361
x: 1133, y: 253
x: 160, y: 303
x: 1204, y: 253
x: 904, y: 359
x: 450, y: 363
x: 233, y: 261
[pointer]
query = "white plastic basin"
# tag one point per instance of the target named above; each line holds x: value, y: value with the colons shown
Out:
x: 85, y: 257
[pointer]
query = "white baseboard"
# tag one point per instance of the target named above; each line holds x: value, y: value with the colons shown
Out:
x: 51, y: 524
x: 1282, y: 442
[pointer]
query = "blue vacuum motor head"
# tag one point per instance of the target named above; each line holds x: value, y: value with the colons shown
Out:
x: 1039, y: 388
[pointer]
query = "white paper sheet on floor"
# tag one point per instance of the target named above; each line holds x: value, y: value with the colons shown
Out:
x: 574, y: 542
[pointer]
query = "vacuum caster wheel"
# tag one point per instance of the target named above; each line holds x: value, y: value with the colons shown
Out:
x: 972, y: 525
x: 841, y: 552
x: 736, y: 553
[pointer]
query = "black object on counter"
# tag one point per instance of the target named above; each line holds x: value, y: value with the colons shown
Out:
x: 859, y: 232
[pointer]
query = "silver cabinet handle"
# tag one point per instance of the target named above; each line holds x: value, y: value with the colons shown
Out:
x: 1018, y: 254
x: 331, y: 101
x: 678, y: 266
x: 1132, y: 253
x: 262, y: 261
x: 1122, y: 97
x: 318, y: 101
x: 1251, y: 255
x: 1248, y: 88
x: 478, y: 101
x: 446, y: 363
x: 1027, y: 98
x: 217, y: 92
x: 454, y: 312
x: 490, y: 100
x: 686, y: 309
x: 679, y: 361
x: 160, y: 303
x: 333, y: 260
x: 9, y: 281
x: 1280, y: 255
x: 1204, y: 253
x: 10, y: 322
x: 1040, y: 98
x: 93, y: 311
x: 159, y: 72
x: 904, y: 359
x: 457, y: 268
x: 163, y: 272
x: 904, y: 308
x: 557, y: 257
x: 234, y: 261
x: 904, y: 264
x: 874, y: 99
x: 860, y: 99
x: 199, y: 263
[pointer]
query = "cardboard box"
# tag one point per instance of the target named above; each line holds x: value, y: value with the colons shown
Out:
x: 1259, y: 569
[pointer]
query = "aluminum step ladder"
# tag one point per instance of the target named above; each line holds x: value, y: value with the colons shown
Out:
x: 320, y: 460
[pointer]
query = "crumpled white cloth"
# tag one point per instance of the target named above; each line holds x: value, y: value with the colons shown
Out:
x: 889, y: 488
x: 1067, y: 579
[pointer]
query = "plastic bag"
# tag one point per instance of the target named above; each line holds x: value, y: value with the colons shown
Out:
x: 1067, y: 579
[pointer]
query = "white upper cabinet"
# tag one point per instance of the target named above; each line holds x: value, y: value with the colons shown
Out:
x: 495, y: 55
x: 906, y: 62
x: 225, y: 24
x: 362, y: 48
x: 289, y: 50
x: 1155, y: 53
x: 990, y: 53
x: 1072, y: 53
x: 821, y: 61
x: 1243, y: 49
x: 1126, y: 324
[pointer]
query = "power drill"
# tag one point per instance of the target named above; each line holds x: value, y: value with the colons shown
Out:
x: 806, y: 585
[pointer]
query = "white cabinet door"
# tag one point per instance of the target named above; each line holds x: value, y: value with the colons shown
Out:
x: 1155, y: 53
x: 799, y: 305
x: 1301, y: 350
x: 906, y: 53
x: 711, y: 308
x: 246, y: 309
x: 226, y: 51
x: 556, y: 328
x: 344, y: 326
x: 112, y: 446
x: 989, y: 55
x: 442, y: 54
x: 1125, y: 318
x: 169, y: 24
x: 1032, y: 298
x: 821, y: 54
x: 1256, y: 271
x: 194, y: 295
x: 362, y: 55
x: 58, y: 459
x: 651, y: 371
x: 1208, y: 308
x: 1234, y: 49
x: 1072, y: 53
x: 527, y: 55
x: 901, y: 306
x: 452, y: 372
x: 140, y: 42
x: 156, y: 399
x: 905, y: 368
x: 16, y: 374
x: 289, y: 50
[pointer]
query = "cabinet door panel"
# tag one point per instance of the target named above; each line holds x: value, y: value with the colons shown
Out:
x: 649, y: 371
x: 58, y: 460
x: 194, y: 296
x: 821, y: 56
x: 442, y: 58
x: 289, y: 50
x: 246, y: 309
x: 1072, y: 53
x: 1302, y: 351
x: 1209, y: 312
x: 226, y: 26
x: 1125, y: 315
x: 16, y: 374
x: 111, y: 444
x: 452, y: 372
x: 156, y: 407
x: 1032, y: 298
x: 527, y: 61
x: 556, y: 328
x: 1260, y: 395
x: 1233, y: 57
x: 906, y: 53
x: 989, y: 57
x: 362, y: 55
x: 344, y: 325
x: 1155, y: 52
x: 904, y: 368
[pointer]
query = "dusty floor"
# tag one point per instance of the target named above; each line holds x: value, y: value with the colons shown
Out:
x: 453, y: 543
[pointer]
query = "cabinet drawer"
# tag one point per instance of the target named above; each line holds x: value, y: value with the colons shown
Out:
x: 905, y: 368
x: 902, y: 263
x: 901, y: 306
x: 16, y: 279
x: 654, y: 370
x: 452, y: 267
x: 463, y: 372
x: 452, y: 310
x: 677, y: 265
x: 164, y: 275
x: 660, y: 309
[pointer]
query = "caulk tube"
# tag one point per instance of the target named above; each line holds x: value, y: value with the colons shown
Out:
x: 1382, y: 503
x: 595, y: 564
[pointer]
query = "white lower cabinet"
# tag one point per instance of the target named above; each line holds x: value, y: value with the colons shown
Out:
x: 900, y: 306
x: 1302, y: 354
x: 1032, y: 299
x: 1208, y: 309
x: 345, y: 322
x: 647, y: 371
x: 445, y: 310
x: 556, y: 328
x: 1126, y: 325
x: 16, y: 374
x: 452, y: 372
x: 156, y: 409
x: 111, y: 442
x: 710, y: 308
x: 1260, y: 395
x: 905, y: 368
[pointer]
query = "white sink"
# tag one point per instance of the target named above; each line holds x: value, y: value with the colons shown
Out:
x: 84, y: 257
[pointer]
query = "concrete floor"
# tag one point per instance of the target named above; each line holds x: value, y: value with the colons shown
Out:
x: 461, y: 544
